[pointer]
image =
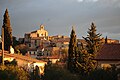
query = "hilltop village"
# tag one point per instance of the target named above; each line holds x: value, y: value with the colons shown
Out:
x: 44, y: 57
x: 42, y: 46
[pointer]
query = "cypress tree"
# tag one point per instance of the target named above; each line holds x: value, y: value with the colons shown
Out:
x: 36, y: 73
x: 106, y: 40
x: 7, y: 31
x: 93, y: 40
x: 72, y: 52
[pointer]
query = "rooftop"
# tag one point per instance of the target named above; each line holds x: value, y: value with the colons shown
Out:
x: 109, y: 52
x: 25, y: 58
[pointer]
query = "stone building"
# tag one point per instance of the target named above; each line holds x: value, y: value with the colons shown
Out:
x: 36, y: 39
x: 25, y: 61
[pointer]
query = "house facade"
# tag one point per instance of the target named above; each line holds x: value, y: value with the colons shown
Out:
x: 36, y: 40
x: 108, y: 55
x: 25, y: 61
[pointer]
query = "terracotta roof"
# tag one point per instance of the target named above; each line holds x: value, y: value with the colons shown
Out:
x: 32, y: 49
x: 50, y: 57
x: 34, y: 31
x: 63, y: 40
x: 109, y: 52
x: 25, y: 58
x: 37, y: 38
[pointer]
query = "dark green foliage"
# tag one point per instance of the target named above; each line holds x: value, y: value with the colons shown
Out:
x: 15, y: 42
x: 35, y: 75
x: 22, y: 48
x: 64, y: 54
x: 85, y: 63
x: 87, y: 53
x: 106, y: 40
x: 72, y: 52
x: 99, y: 74
x: 114, y: 71
x: 13, y: 62
x: 13, y: 73
x: 93, y: 40
x: 7, y: 31
x: 54, y: 72
x: 103, y: 74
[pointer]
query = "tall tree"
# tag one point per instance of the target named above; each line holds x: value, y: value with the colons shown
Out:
x: 72, y: 53
x: 106, y: 40
x: 7, y: 31
x: 36, y: 73
x: 84, y: 62
x: 93, y: 40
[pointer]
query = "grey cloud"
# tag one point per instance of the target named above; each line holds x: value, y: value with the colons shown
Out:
x: 60, y: 15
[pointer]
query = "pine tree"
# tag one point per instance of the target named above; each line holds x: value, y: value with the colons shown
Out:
x: 87, y: 53
x: 93, y: 40
x: 72, y: 53
x: 85, y: 63
x: 7, y: 31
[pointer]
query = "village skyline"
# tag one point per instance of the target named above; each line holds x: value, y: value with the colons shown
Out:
x: 37, y: 53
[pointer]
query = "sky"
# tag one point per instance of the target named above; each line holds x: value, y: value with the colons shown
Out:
x: 59, y: 16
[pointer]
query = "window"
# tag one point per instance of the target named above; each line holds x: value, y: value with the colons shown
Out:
x: 34, y: 53
x: 29, y: 45
x: 37, y: 35
x: 30, y: 53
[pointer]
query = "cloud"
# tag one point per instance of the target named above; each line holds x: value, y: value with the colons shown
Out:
x: 80, y: 0
x: 87, y: 0
x: 111, y: 35
x: 91, y: 0
x: 60, y: 15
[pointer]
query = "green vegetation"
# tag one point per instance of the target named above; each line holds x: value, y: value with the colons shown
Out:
x: 85, y: 63
x: 13, y: 73
x: 72, y: 52
x: 55, y: 72
x: 15, y: 42
x: 35, y: 75
x: 21, y: 48
x: 13, y: 62
x: 80, y: 62
x: 7, y: 31
x: 104, y: 74
x: 81, y: 59
x: 88, y: 52
x: 64, y: 54
x: 93, y: 40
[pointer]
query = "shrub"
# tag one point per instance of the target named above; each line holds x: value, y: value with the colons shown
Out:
x: 13, y: 73
x: 54, y: 72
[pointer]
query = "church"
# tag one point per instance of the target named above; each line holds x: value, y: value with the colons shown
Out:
x: 35, y: 39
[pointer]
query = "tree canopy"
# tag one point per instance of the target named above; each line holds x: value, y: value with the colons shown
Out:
x: 13, y: 73
x: 72, y: 52
x: 93, y: 40
x: 7, y: 31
